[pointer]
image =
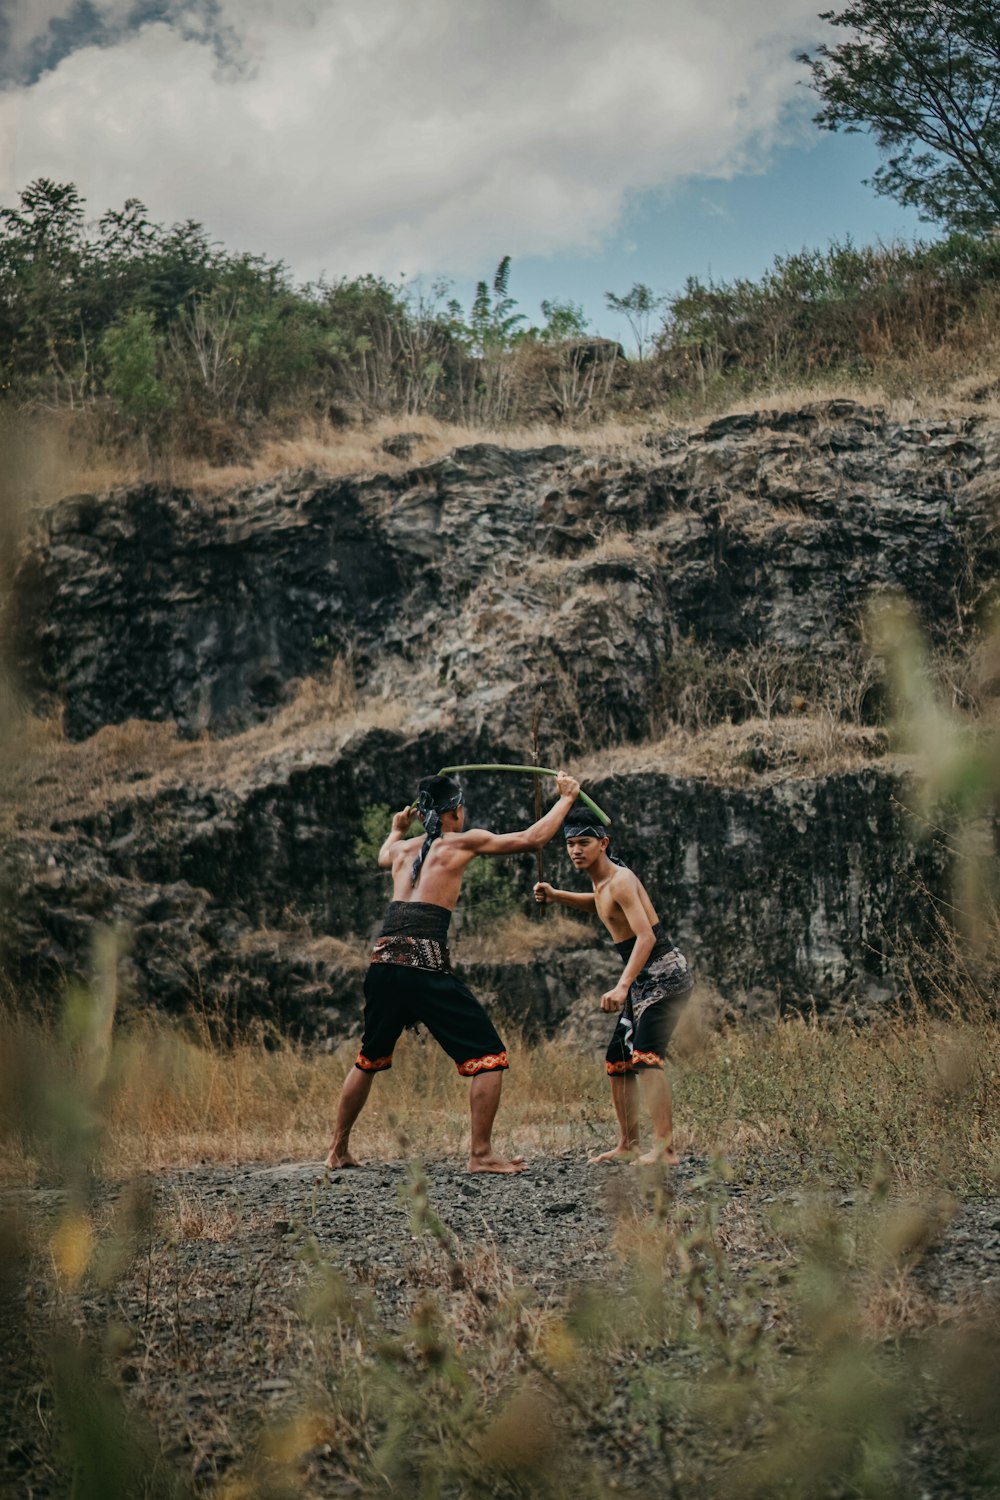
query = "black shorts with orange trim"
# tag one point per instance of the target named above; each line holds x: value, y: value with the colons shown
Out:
x: 398, y: 995
x: 648, y: 1018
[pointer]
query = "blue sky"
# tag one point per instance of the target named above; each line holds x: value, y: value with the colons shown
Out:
x: 809, y: 196
x: 597, y: 145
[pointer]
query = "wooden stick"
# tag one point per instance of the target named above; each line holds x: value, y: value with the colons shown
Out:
x: 539, y: 853
x: 528, y: 771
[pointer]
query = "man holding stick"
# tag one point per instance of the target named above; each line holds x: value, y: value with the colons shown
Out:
x: 410, y: 977
x: 649, y: 996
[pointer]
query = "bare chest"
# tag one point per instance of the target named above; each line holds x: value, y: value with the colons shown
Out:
x: 612, y: 915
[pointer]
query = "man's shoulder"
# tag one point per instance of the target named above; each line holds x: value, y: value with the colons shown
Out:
x: 464, y: 840
x: 407, y: 846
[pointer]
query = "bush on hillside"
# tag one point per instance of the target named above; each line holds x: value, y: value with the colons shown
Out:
x: 179, y: 343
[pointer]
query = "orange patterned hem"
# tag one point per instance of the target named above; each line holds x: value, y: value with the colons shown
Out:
x: 651, y: 1059
x: 379, y: 1065
x: 488, y: 1064
x: 646, y: 1059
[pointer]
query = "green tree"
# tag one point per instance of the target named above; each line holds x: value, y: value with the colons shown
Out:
x: 493, y: 323
x: 42, y: 255
x: 563, y: 320
x: 375, y: 345
x: 923, y: 76
x: 638, y: 307
x: 132, y: 351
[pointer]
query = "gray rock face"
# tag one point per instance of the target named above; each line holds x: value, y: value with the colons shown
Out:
x: 493, y: 580
x: 479, y: 591
x: 152, y: 605
x: 800, y: 891
x: 793, y: 895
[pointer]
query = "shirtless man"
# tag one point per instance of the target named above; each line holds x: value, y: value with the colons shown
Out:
x: 649, y: 996
x: 410, y: 977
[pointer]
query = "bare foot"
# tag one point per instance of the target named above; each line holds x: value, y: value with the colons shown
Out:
x: 338, y: 1159
x: 493, y: 1163
x: 660, y: 1156
x: 619, y: 1153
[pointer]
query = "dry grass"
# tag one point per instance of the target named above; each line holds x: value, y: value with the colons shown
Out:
x: 610, y: 546
x: 43, y: 774
x: 56, y: 454
x: 949, y: 384
x: 189, y: 1218
x: 520, y: 939
x: 343, y: 953
x: 58, y: 461
x: 172, y: 1101
x: 740, y: 1323
x: 805, y: 745
x: 890, y: 1101
x: 331, y: 451
x: 894, y: 1307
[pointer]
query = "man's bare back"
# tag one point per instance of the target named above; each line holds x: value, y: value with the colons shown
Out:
x: 428, y: 870
x: 440, y: 881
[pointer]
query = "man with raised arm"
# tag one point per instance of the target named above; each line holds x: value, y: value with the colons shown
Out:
x: 410, y: 976
x: 649, y: 996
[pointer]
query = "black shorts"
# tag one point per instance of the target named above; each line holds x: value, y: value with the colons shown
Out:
x: 398, y: 995
x: 650, y: 1014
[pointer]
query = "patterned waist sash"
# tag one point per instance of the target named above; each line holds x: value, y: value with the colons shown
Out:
x: 412, y: 953
x: 665, y: 977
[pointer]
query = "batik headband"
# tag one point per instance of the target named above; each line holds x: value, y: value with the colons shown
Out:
x: 579, y: 828
x: 585, y: 831
x: 430, y: 816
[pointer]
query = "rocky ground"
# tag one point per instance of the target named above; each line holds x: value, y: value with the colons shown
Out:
x: 256, y: 1292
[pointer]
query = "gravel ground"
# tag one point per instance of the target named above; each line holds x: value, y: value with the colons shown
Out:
x: 209, y: 1339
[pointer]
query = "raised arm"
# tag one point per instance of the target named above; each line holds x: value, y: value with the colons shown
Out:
x: 397, y: 834
x: 482, y: 842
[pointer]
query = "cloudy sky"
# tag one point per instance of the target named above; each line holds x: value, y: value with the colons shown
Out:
x: 597, y: 144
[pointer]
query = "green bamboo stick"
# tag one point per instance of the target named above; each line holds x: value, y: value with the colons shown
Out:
x: 530, y: 771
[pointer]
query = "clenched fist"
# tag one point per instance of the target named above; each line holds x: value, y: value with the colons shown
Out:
x: 614, y: 999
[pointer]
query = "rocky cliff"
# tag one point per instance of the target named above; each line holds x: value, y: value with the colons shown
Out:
x: 319, y: 644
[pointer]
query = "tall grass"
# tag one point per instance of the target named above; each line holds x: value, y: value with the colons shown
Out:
x: 914, y: 1100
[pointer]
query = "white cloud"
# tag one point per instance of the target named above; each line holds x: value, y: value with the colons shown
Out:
x: 25, y: 22
x: 414, y: 135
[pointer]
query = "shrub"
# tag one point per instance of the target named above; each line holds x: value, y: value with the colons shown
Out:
x: 132, y: 351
